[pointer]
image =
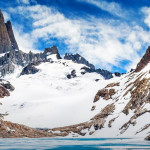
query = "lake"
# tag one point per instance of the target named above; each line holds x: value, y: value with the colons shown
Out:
x: 74, y: 144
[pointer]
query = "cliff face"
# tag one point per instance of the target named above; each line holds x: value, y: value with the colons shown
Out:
x: 7, y: 39
x: 11, y: 35
x: 144, y: 61
x: 5, y: 43
x: 52, y: 50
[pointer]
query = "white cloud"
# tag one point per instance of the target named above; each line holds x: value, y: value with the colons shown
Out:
x: 146, y: 11
x: 111, y: 7
x: 104, y: 43
x: 6, y: 16
x: 24, y: 1
x: 24, y: 40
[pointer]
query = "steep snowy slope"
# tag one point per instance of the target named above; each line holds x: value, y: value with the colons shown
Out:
x: 130, y: 98
x: 123, y: 105
x: 59, y: 94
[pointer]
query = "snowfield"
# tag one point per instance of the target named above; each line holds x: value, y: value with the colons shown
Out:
x: 48, y: 98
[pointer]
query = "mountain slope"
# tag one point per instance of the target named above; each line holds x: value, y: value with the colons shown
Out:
x: 57, y: 88
x: 120, y: 108
x: 123, y: 105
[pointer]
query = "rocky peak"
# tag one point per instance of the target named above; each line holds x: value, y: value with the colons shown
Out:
x: 7, y: 39
x: 5, y: 43
x: 27, y: 60
x: 144, y: 61
x: 11, y: 35
x: 1, y: 17
x: 52, y: 50
x: 78, y: 59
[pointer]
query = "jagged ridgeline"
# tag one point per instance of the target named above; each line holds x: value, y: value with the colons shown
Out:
x: 11, y: 55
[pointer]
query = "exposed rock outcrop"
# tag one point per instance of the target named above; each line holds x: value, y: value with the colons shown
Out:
x: 28, y: 60
x: 78, y: 59
x: 14, y: 130
x: 144, y: 61
x: 72, y: 74
x: 11, y: 35
x: 139, y: 94
x: 5, y: 87
x: 106, y: 93
x: 30, y: 69
x: 106, y: 74
x: 147, y: 138
x: 98, y: 122
x: 12, y: 58
x: 5, y: 43
x: 52, y: 50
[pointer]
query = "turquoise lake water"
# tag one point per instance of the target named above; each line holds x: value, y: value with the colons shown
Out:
x: 74, y: 144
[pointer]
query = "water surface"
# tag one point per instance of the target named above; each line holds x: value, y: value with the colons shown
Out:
x: 74, y: 144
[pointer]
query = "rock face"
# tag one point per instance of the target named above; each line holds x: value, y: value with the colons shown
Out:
x: 106, y: 94
x: 147, y: 138
x: 106, y: 74
x: 52, y: 50
x: 144, y: 61
x: 12, y: 58
x: 5, y: 43
x: 30, y: 69
x: 7, y: 39
x: 5, y: 87
x: 78, y: 59
x: 11, y: 35
x: 14, y: 130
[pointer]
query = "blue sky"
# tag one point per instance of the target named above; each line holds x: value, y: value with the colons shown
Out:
x: 111, y: 34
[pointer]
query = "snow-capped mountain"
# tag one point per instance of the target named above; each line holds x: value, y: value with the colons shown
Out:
x: 68, y: 96
x: 59, y: 92
x: 51, y: 89
x: 122, y: 107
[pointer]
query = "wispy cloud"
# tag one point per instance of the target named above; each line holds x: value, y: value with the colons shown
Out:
x: 25, y: 41
x: 111, y: 7
x: 146, y: 11
x: 103, y: 42
x: 24, y: 1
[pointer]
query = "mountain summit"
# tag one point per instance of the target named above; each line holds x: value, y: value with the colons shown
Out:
x: 7, y: 39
